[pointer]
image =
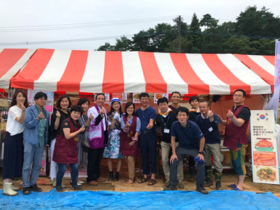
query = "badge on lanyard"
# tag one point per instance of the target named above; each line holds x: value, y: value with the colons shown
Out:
x: 166, y: 130
x: 76, y: 138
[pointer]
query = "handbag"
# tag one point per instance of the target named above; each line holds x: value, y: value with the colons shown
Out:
x: 85, y: 141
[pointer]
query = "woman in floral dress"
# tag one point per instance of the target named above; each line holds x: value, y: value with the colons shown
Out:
x: 112, y: 150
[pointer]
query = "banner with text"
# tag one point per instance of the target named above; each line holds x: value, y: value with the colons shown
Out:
x: 264, y: 147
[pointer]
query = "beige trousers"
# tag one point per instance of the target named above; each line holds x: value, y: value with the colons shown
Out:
x: 165, y: 148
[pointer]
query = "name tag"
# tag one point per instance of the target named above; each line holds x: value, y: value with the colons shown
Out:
x: 166, y: 130
x: 210, y: 129
x: 76, y: 138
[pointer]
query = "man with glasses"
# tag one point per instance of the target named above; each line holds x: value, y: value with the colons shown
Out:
x: 235, y: 135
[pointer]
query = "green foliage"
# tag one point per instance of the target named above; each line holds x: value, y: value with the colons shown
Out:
x: 253, y: 33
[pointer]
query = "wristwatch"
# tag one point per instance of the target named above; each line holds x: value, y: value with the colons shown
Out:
x: 200, y: 153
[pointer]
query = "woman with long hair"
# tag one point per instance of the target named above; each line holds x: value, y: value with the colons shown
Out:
x: 59, y: 115
x: 84, y: 121
x: 13, y: 147
x: 130, y: 125
x: 65, y: 151
x: 112, y: 150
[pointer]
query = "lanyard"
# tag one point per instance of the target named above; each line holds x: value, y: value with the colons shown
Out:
x: 165, y: 123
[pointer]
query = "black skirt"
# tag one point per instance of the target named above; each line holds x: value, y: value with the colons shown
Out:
x: 13, y: 156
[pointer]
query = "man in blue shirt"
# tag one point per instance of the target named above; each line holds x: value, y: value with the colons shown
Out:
x: 35, y: 138
x: 208, y: 123
x: 191, y: 142
x: 147, y: 139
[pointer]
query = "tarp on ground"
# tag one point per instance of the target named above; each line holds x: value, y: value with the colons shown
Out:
x: 127, y: 72
x: 226, y: 199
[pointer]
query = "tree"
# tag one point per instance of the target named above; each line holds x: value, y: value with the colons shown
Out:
x: 106, y: 47
x: 208, y: 21
x: 195, y: 36
x: 123, y: 44
x: 252, y: 33
x: 256, y: 24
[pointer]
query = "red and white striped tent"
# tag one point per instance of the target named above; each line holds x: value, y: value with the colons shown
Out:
x: 264, y: 66
x: 11, y: 61
x: 97, y: 71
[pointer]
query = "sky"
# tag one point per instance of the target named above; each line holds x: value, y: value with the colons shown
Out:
x: 89, y: 24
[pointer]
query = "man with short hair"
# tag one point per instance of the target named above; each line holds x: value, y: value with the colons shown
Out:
x: 235, y: 135
x: 164, y: 121
x: 35, y: 137
x: 193, y: 113
x: 191, y: 142
x: 175, y: 98
x: 147, y: 139
x: 98, y: 138
x: 208, y: 123
x: 194, y: 110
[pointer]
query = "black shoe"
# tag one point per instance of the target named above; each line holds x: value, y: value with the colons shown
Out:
x: 35, y: 188
x: 170, y: 187
x: 26, y: 191
x: 77, y: 188
x: 117, y: 176
x: 111, y: 176
x: 59, y: 188
x: 201, y: 190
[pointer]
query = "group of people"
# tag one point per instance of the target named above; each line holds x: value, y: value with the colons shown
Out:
x: 122, y: 134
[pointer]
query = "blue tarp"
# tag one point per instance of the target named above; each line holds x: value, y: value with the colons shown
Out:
x: 226, y: 199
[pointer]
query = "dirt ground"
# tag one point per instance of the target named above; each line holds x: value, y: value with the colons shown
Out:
x: 229, y: 177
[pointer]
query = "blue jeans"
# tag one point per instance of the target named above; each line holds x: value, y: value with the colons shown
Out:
x: 32, y: 156
x: 74, y: 173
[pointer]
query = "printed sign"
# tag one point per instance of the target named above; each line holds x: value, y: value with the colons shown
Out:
x: 264, y: 147
x: 159, y: 95
x: 49, y: 104
x: 124, y: 97
x: 107, y: 98
x: 135, y: 97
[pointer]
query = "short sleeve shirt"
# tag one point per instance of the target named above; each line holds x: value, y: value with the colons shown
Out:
x: 13, y: 126
x: 244, y: 113
x: 145, y: 116
x: 189, y: 136
x: 138, y: 123
x: 65, y: 124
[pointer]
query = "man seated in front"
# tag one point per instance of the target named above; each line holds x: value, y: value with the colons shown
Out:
x: 191, y: 142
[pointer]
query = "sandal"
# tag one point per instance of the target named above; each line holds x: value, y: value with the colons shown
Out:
x: 237, y: 189
x: 232, y: 186
x: 142, y: 180
x: 152, y: 182
x: 131, y: 181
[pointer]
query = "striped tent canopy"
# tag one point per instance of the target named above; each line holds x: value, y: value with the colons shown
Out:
x: 117, y: 72
x: 264, y: 66
x: 11, y: 61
